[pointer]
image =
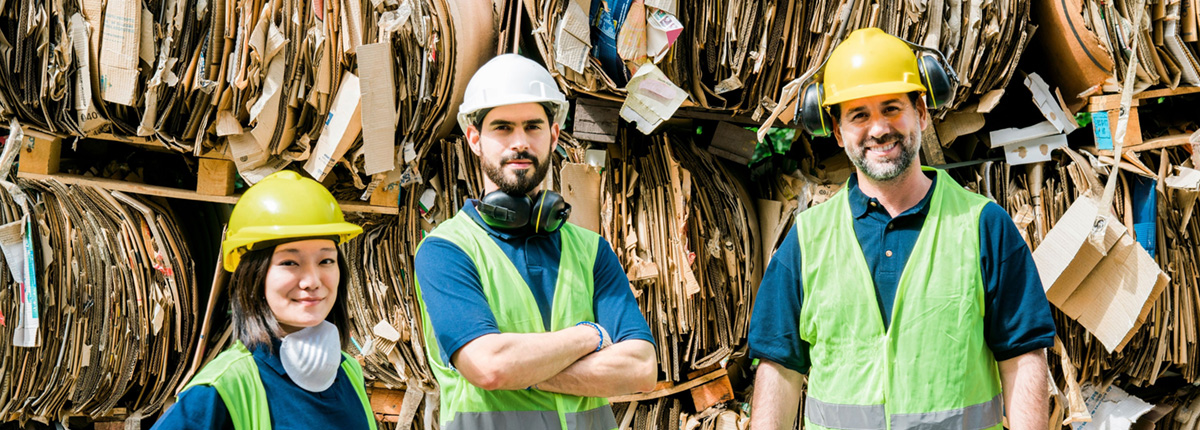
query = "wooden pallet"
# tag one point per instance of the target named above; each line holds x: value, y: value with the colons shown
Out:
x: 706, y: 389
x: 1111, y: 104
x: 41, y: 152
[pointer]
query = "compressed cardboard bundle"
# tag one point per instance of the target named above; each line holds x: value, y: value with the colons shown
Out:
x: 737, y: 56
x: 112, y: 288
x: 267, y: 83
x: 686, y: 232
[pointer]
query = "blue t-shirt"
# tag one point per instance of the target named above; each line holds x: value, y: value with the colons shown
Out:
x: 1017, y: 316
x: 291, y: 407
x: 458, y: 308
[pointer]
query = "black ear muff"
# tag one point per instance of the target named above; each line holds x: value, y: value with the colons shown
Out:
x: 503, y: 210
x: 550, y: 212
x: 936, y: 80
x: 813, y: 116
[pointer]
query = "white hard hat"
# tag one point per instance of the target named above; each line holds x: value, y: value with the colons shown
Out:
x: 511, y: 79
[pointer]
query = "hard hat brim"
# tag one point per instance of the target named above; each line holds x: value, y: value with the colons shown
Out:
x: 233, y: 247
x: 864, y: 91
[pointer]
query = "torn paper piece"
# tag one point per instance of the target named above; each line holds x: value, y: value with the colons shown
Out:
x: 631, y: 40
x: 652, y: 98
x: 1112, y: 408
x: 252, y: 162
x: 669, y: 6
x: 958, y: 124
x: 379, y: 107
x: 426, y: 204
x: 1010, y: 136
x: 1050, y: 104
x: 571, y: 43
x: 86, y: 114
x: 1034, y: 150
x: 341, y: 128
x: 1185, y: 179
x: 17, y: 245
x: 119, y: 52
x: 1102, y: 131
x: 581, y: 190
x: 661, y: 32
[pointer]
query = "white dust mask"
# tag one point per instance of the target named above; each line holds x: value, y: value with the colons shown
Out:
x: 312, y: 356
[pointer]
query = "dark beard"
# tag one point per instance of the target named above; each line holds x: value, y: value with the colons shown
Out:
x: 525, y: 180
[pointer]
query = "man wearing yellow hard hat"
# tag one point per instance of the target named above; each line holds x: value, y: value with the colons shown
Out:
x: 287, y: 293
x: 518, y: 304
x: 908, y: 301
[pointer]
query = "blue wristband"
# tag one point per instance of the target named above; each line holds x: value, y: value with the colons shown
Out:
x: 598, y: 332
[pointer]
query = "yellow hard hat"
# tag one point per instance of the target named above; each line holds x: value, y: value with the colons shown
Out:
x: 283, y: 206
x: 870, y: 63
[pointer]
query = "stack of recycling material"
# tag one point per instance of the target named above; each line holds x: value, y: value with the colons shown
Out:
x: 669, y: 413
x: 737, y: 56
x: 108, y: 317
x: 315, y: 83
x: 1093, y: 42
x: 685, y: 232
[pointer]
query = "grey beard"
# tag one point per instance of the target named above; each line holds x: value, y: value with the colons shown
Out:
x: 887, y: 171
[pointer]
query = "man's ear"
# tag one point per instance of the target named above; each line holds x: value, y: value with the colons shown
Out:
x: 555, y: 130
x: 472, y: 134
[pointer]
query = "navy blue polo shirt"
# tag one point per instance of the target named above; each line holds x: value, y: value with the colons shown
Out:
x: 458, y: 308
x: 291, y: 407
x: 1017, y: 316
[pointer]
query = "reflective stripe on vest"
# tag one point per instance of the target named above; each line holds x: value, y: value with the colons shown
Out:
x: 234, y: 374
x: 870, y: 417
x: 934, y: 359
x: 599, y: 418
x: 465, y: 406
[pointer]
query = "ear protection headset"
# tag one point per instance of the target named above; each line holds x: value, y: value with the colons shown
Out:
x: 547, y: 210
x: 937, y: 76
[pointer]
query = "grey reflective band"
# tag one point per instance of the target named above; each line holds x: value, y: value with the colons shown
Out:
x: 975, y: 417
x: 846, y: 417
x: 504, y: 420
x: 601, y: 418
x: 863, y: 417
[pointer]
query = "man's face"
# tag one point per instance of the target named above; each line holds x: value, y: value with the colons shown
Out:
x: 881, y: 134
x: 514, y: 144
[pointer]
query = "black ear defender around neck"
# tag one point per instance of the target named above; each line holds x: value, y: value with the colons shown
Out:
x: 546, y: 212
x: 937, y: 76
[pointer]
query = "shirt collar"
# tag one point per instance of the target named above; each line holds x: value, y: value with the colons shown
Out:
x: 860, y: 203
x: 270, y: 356
x: 503, y: 234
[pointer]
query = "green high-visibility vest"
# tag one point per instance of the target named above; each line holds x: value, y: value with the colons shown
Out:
x: 234, y: 374
x: 465, y: 406
x: 932, y: 368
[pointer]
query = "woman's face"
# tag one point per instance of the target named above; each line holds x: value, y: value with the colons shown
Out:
x: 302, y: 283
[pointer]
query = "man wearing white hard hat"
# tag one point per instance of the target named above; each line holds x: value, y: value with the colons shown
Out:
x: 518, y: 303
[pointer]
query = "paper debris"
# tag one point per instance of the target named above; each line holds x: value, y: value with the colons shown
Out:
x: 652, y: 99
x: 1112, y: 409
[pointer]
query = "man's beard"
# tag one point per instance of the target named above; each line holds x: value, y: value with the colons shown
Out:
x: 886, y: 170
x: 523, y: 180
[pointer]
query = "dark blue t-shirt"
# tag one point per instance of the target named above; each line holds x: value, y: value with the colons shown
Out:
x: 1017, y: 316
x: 291, y: 407
x: 458, y: 309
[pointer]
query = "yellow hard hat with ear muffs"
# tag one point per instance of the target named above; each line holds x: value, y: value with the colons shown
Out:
x: 870, y: 63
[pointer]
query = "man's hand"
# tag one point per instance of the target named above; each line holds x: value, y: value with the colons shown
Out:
x: 1026, y: 392
x: 776, y: 397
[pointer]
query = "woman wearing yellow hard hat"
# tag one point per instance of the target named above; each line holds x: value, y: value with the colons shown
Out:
x: 288, y: 293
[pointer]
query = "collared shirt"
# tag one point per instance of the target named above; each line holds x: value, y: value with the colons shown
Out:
x: 291, y: 407
x: 458, y: 308
x: 1017, y: 315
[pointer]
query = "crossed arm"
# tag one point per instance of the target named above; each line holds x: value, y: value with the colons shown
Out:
x: 562, y: 361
